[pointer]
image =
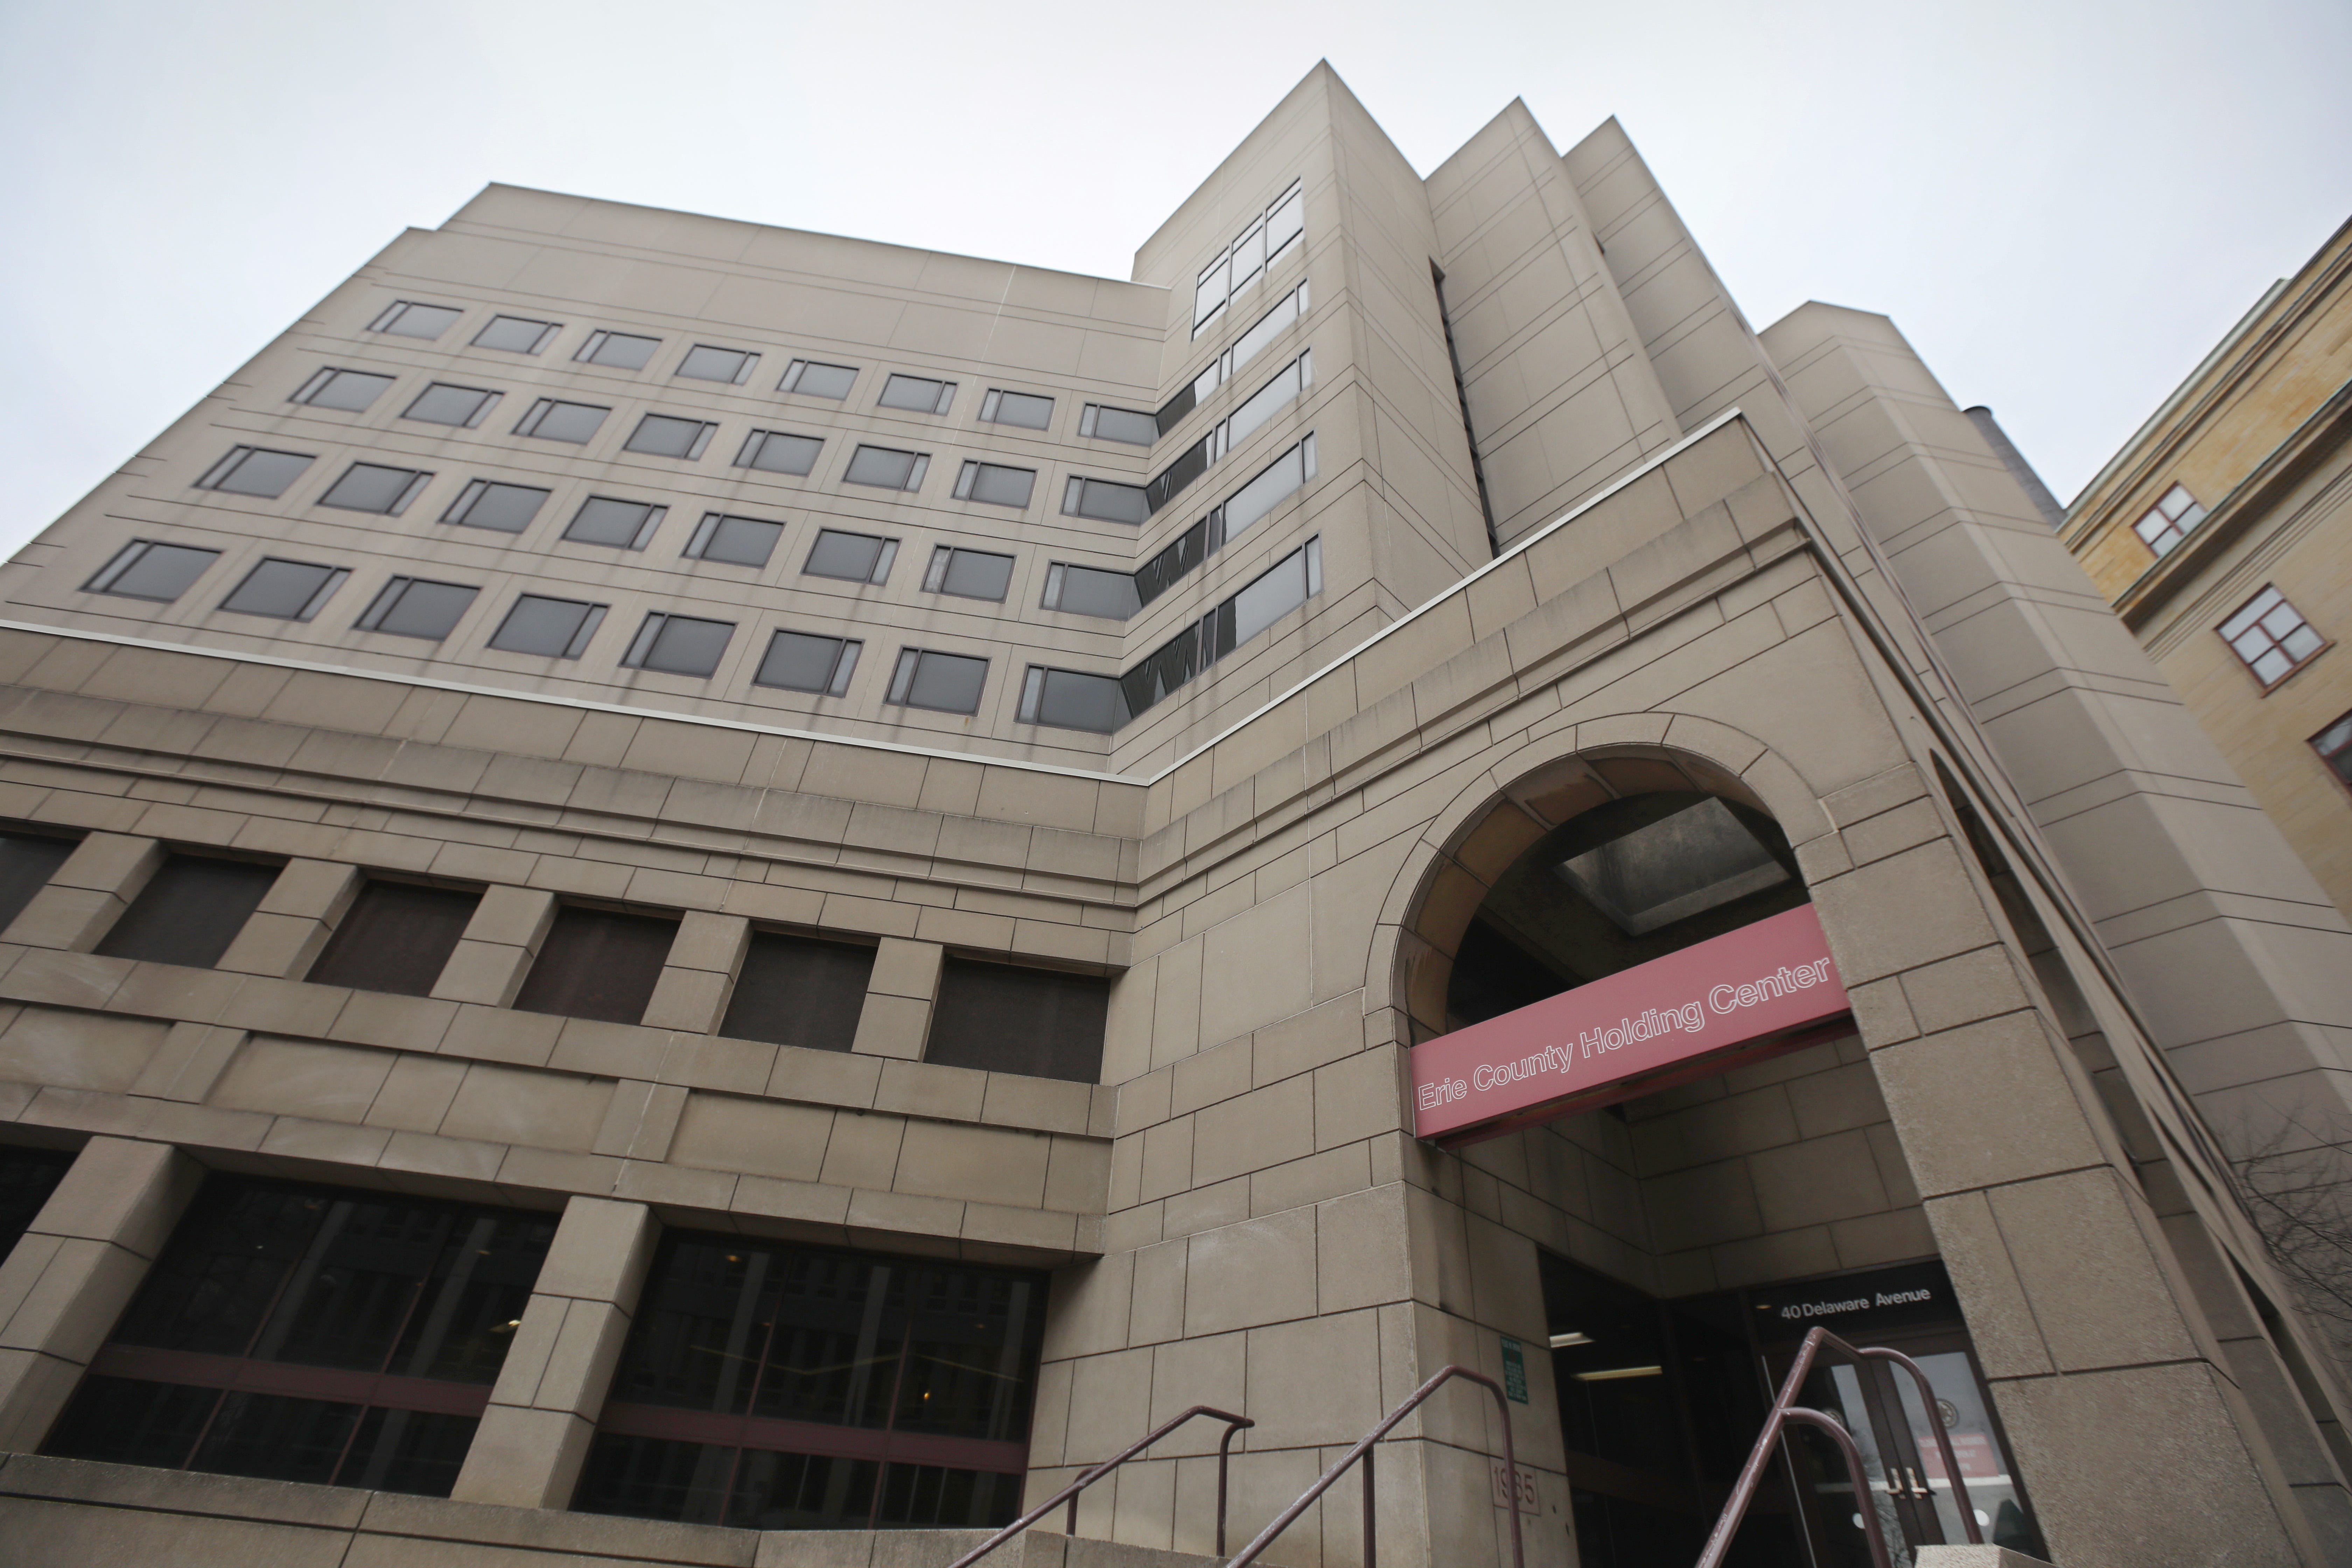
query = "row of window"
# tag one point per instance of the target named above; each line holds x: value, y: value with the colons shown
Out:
x: 1238, y: 267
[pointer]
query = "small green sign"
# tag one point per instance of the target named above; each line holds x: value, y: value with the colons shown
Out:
x: 1515, y: 1371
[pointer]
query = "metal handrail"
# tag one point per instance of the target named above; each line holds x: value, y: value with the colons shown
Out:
x: 1363, y: 1450
x: 1070, y: 1493
x: 1785, y: 1410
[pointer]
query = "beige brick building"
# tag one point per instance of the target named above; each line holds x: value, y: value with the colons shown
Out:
x: 688, y: 893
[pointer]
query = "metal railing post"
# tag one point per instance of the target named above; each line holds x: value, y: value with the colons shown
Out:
x: 1070, y: 1494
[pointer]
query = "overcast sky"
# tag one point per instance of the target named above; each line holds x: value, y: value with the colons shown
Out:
x: 2063, y: 205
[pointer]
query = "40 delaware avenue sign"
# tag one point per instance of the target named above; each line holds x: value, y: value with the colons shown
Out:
x: 1746, y: 994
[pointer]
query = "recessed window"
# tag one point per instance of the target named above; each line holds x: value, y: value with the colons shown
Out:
x: 1072, y: 700
x: 27, y: 861
x: 1001, y: 1019
x: 943, y: 682
x: 917, y: 394
x: 1278, y: 590
x: 779, y: 452
x: 886, y: 468
x: 814, y: 378
x: 665, y: 436
x: 852, y: 557
x: 349, y: 390
x: 739, y: 540
x: 410, y: 319
x: 1275, y: 483
x: 678, y: 645
x: 1240, y: 265
x: 442, y: 404
x: 1103, y: 500
x: 553, y: 628
x: 2271, y: 638
x: 144, y: 569
x: 1104, y: 423
x: 552, y: 419
x: 800, y: 661
x: 2170, y: 520
x: 622, y: 524
x: 413, y: 608
x: 28, y: 1177
x: 285, y: 590
x: 995, y: 484
x: 796, y: 991
x: 1090, y: 591
x: 395, y: 937
x: 968, y: 573
x: 517, y: 334
x: 597, y: 963
x: 1025, y: 409
x: 189, y: 912
x: 373, y: 486
x: 499, y: 507
x: 618, y: 350
x: 2333, y: 745
x: 255, y: 471
x: 703, y: 363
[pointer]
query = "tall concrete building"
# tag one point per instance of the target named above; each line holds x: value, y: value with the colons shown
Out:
x: 690, y: 893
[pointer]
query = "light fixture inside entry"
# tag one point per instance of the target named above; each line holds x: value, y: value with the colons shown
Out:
x: 1672, y: 869
x: 1610, y: 1374
x: 1561, y: 1341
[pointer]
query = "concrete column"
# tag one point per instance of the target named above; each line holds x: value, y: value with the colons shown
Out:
x: 88, y: 893
x: 76, y: 1269
x: 701, y: 972
x: 527, y: 1451
x: 496, y: 951
x: 897, y: 1017
x: 294, y: 919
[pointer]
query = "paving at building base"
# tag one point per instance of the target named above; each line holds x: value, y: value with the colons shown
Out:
x: 679, y: 892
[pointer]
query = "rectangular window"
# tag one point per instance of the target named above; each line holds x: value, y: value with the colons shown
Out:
x: 442, y: 404
x: 995, y: 483
x: 1276, y: 483
x: 1275, y: 593
x: 738, y: 541
x: 2333, y: 745
x: 517, y: 334
x: 770, y: 1385
x: 2171, y: 519
x: 144, y: 569
x: 495, y: 505
x: 943, y: 682
x: 27, y: 861
x: 285, y: 590
x: 917, y: 394
x: 678, y: 645
x: 1025, y: 409
x: 622, y: 524
x: 1189, y: 465
x: 28, y: 1177
x: 410, y: 319
x: 1269, y: 400
x: 395, y: 937
x: 552, y: 419
x: 374, y: 486
x: 1238, y: 267
x: 1104, y: 423
x: 313, y: 1335
x: 886, y: 467
x: 1278, y: 590
x: 551, y: 629
x: 413, y: 608
x: 1103, y: 500
x: 597, y: 963
x: 1090, y: 591
x: 349, y: 390
x: 813, y: 378
x: 189, y: 912
x: 779, y: 452
x: 1072, y: 700
x: 1174, y: 563
x: 255, y: 471
x: 968, y: 573
x: 1222, y: 369
x: 665, y: 436
x: 852, y: 557
x: 703, y: 363
x: 796, y: 991
x: 2271, y: 638
x: 1039, y: 1023
x: 618, y: 350
x: 800, y: 661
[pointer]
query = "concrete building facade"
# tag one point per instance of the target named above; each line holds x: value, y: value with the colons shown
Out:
x: 694, y: 893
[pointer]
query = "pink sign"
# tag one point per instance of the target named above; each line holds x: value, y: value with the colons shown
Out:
x: 1762, y: 983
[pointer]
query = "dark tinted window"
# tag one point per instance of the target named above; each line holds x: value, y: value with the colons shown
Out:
x: 598, y: 964
x: 397, y: 936
x: 556, y: 628
x: 739, y: 540
x: 285, y: 590
x: 794, y: 991
x: 255, y: 471
x: 190, y: 910
x: 623, y: 524
x: 507, y: 508
x: 28, y: 1177
x: 855, y: 557
x: 27, y: 861
x: 1037, y: 1022
x: 412, y: 607
x: 146, y: 569
x: 373, y: 486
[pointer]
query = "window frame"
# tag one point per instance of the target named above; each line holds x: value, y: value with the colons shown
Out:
x: 909, y: 670
x: 797, y: 371
x: 756, y: 443
x: 537, y: 415
x: 123, y: 561
x: 489, y: 400
x: 323, y: 379
x: 2173, y: 527
x: 942, y: 397
x: 704, y: 430
x: 886, y: 555
x: 751, y: 363
x: 419, y: 479
x: 459, y: 512
x: 396, y: 588
x: 943, y: 567
x: 215, y: 478
x: 648, y: 526
x: 992, y: 404
x: 547, y: 334
x: 919, y: 466
x: 706, y: 533
x: 968, y: 483
x: 388, y: 321
x: 643, y: 647
x: 580, y: 637
x: 845, y: 663
x: 336, y: 576
x: 2273, y: 642
x: 595, y: 342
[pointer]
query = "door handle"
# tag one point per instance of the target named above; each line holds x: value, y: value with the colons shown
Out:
x: 1921, y: 1494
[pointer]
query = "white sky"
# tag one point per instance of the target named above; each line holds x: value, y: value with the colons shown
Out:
x: 2065, y: 205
